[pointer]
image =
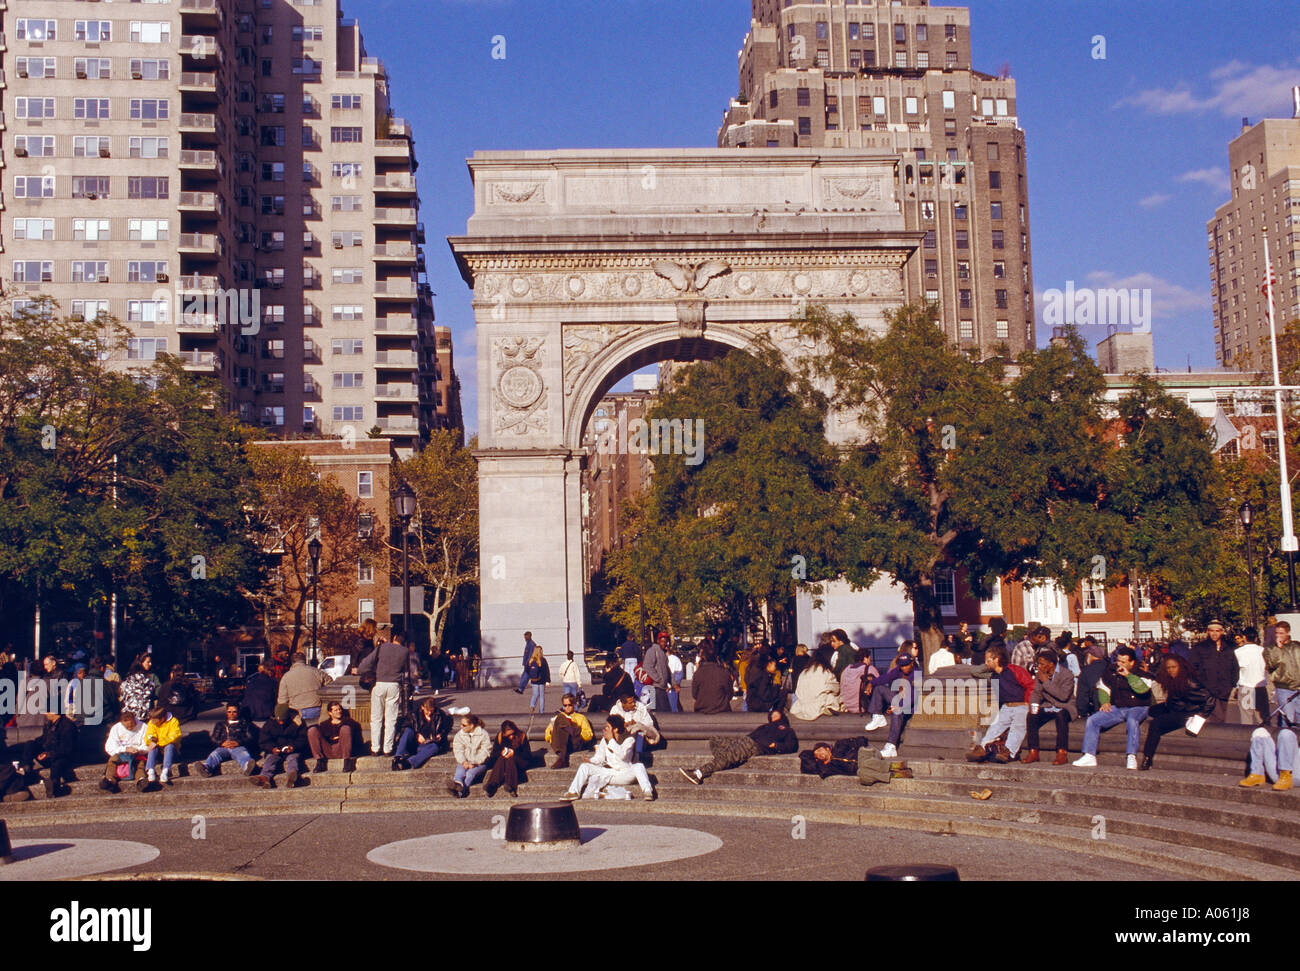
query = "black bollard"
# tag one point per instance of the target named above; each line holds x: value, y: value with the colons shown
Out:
x: 6, y: 849
x: 921, y: 872
x: 543, y: 826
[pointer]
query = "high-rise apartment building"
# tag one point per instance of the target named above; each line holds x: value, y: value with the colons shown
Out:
x: 1265, y: 168
x: 897, y: 77
x: 168, y: 149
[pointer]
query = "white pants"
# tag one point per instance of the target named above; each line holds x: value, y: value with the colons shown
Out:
x: 383, y: 715
x: 593, y: 778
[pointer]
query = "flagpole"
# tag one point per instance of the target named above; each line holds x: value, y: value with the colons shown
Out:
x: 1289, y: 544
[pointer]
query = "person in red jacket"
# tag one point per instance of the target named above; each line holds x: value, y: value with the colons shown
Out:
x: 1013, y: 686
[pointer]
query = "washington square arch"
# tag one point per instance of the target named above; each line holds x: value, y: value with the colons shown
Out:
x: 587, y: 266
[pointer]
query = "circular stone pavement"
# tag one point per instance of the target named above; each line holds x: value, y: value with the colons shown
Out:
x: 603, y: 848
x: 59, y: 859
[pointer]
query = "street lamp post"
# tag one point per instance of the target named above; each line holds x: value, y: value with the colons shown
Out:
x: 405, y: 502
x: 313, y: 551
x: 1247, y: 516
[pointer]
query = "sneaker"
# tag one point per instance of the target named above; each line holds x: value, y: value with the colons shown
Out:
x: 889, y: 752
x: 453, y: 787
x: 321, y: 765
x: 349, y: 765
x: 649, y: 796
x: 571, y: 796
x: 201, y: 769
x: 1087, y: 761
x: 464, y: 791
x: 164, y: 777
x: 877, y: 722
x: 1131, y: 763
x: 292, y: 779
x: 152, y: 776
x: 1252, y: 780
x: 250, y: 768
x: 693, y: 776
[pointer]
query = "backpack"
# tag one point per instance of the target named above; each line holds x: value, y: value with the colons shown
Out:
x: 1023, y: 678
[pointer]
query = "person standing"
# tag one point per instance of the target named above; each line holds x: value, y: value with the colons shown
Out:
x: 1251, y: 692
x: 1282, y: 661
x: 656, y: 669
x: 539, y: 676
x: 711, y: 685
x: 1214, y: 666
x: 300, y: 689
x: 675, y: 674
x: 138, y: 690
x: 529, y: 649
x: 569, y: 675
x: 259, y: 694
x: 943, y: 657
x: 385, y: 665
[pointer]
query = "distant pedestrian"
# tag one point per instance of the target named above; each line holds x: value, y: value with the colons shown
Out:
x: 539, y: 676
x: 569, y: 674
x: 529, y: 649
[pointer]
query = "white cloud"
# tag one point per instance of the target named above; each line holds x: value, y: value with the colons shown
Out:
x: 1237, y: 89
x: 1168, y: 299
x: 1154, y: 200
x: 1215, y: 178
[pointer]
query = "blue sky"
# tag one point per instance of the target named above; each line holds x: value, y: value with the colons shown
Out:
x: 1127, y: 155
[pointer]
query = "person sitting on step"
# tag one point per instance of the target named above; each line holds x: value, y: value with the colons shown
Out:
x: 126, y: 749
x: 334, y: 738
x: 471, y: 746
x: 424, y: 739
x: 896, y: 694
x: 508, y: 762
x: 640, y: 724
x: 1125, y: 698
x: 235, y: 738
x: 1012, y: 686
x: 1052, y: 701
x: 55, y: 750
x: 568, y: 732
x: 285, y: 741
x: 776, y: 737
x: 1271, y: 759
x: 162, y: 737
x: 610, y: 766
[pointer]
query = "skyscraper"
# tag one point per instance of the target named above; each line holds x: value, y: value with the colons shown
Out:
x: 897, y: 77
x: 1265, y: 169
x: 242, y: 151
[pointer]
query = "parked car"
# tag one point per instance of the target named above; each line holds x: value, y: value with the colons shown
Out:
x: 336, y: 666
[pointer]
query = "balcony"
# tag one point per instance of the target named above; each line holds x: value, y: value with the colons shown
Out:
x: 4, y: 45
x: 201, y: 47
x: 203, y: 126
x: 199, y: 162
x: 397, y: 325
x: 207, y: 203
x: 395, y: 253
x: 199, y: 82
x: 203, y: 244
x: 2, y: 121
x: 405, y: 360
x: 198, y: 284
x: 402, y: 183
x: 392, y: 147
x: 395, y: 217
x: 204, y: 361
x: 397, y: 392
x: 197, y: 323
x: 202, y: 11
x: 395, y: 290
x: 398, y: 425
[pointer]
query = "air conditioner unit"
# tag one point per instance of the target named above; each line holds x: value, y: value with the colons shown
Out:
x: 81, y: 72
x: 277, y: 284
x: 104, y: 151
x: 22, y: 72
x: 78, y: 318
x: 20, y: 151
x: 47, y: 278
x: 103, y: 278
x: 338, y: 244
x: 137, y: 75
x: 161, y: 277
x: 92, y: 195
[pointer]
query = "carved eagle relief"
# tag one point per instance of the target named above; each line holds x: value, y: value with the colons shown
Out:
x: 688, y: 278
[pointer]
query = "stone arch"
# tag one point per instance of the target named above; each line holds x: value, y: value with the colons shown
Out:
x: 646, y: 346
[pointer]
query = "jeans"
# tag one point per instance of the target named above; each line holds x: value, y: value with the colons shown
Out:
x: 271, y: 764
x: 674, y: 699
x: 652, y: 697
x: 1288, y: 703
x: 1010, y: 719
x: 383, y: 715
x: 467, y: 777
x: 310, y: 716
x: 321, y: 749
x: 168, y: 754
x: 1268, y: 757
x: 538, y: 699
x: 416, y: 754
x: 222, y: 754
x: 571, y: 688
x: 591, y: 779
x: 1102, y: 720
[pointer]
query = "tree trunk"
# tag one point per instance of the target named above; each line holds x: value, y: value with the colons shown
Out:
x: 927, y: 618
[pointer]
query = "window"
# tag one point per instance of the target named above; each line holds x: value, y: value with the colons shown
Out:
x: 1003, y: 330
x: 346, y: 102
x: 272, y: 205
x: 963, y: 239
x: 365, y: 524
x: 34, y: 107
x: 42, y: 229
x: 273, y: 313
x: 1094, y: 596
x: 150, y: 68
x: 966, y: 330
x: 37, y: 30
x: 145, y: 271
x: 38, y: 67
x: 344, y: 170
x: 949, y: 31
x: 900, y: 33
x: 146, y: 311
x: 931, y: 296
x: 306, y: 65
x: 148, y: 230
x: 345, y: 203
x: 308, y: 137
x: 309, y: 34
x: 273, y: 382
x: 273, y: 415
x: 927, y: 210
x: 997, y: 239
x: 348, y: 412
x: 341, y: 134
x: 855, y: 31
x: 151, y: 32
x: 272, y: 135
x: 878, y: 106
x: 34, y: 187
x: 900, y: 59
x: 349, y: 238
x: 148, y: 147
x: 911, y: 105
x: 93, y: 31
x: 149, y: 109
x: 950, y: 60
x: 90, y: 108
x: 805, y: 126
x: 963, y: 270
x: 349, y: 379
x: 995, y: 179
x: 823, y: 30
x: 37, y: 146
x: 923, y: 59
x: 931, y: 239
x: 993, y: 151
x: 90, y: 271
x: 272, y: 171
x: 963, y: 300
x: 365, y: 485
x: 89, y: 229
x: 365, y: 574
x: 90, y: 309
x: 349, y: 275
x: 33, y: 271
x: 1143, y: 596
x: 803, y: 98
x: 945, y: 591
x: 931, y: 267
x: 995, y: 210
x: 145, y: 348
x: 147, y: 187
x: 959, y: 212
x: 365, y: 610
x: 1000, y: 299
x: 950, y: 101
x: 999, y: 270
x: 273, y: 350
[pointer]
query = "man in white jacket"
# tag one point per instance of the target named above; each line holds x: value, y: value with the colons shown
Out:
x: 609, y: 765
x: 640, y: 723
x: 125, y: 744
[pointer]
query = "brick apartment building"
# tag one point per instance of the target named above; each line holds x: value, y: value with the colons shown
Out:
x: 897, y: 78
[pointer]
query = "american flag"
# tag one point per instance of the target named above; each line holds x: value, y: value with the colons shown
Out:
x: 1269, y: 283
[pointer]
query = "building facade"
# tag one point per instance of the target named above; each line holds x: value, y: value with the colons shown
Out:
x: 1265, y: 169
x: 227, y: 178
x: 614, y: 476
x: 897, y: 79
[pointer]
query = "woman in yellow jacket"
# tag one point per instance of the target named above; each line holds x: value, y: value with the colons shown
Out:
x: 161, y: 735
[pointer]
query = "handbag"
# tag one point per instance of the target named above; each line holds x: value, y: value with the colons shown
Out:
x: 1195, y: 724
x: 124, y: 770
